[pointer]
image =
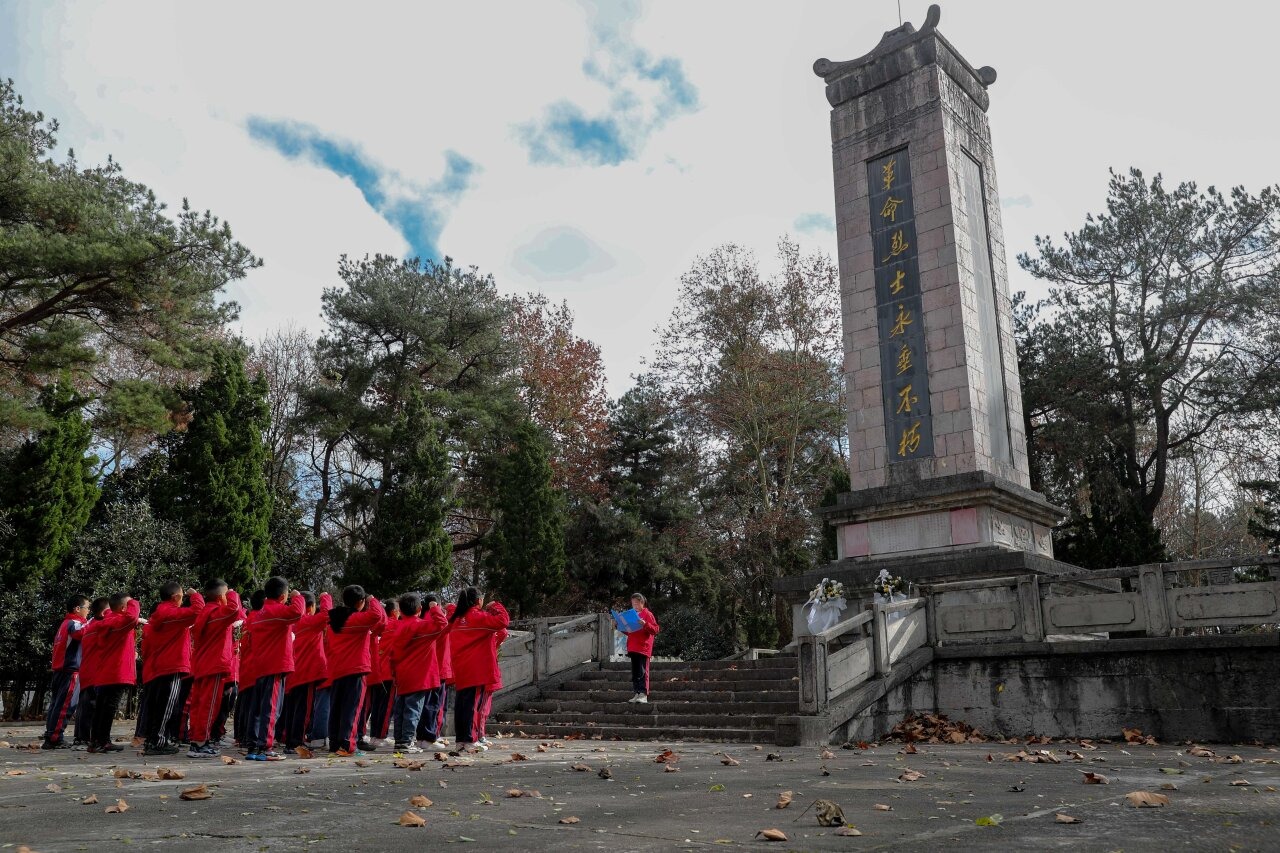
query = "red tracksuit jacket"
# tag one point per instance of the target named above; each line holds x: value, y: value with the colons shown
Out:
x: 475, y: 657
x: 380, y: 651
x: 309, y: 658
x: 641, y: 639
x: 248, y: 663
x: 117, y: 656
x: 167, y: 638
x: 414, y: 657
x: 350, y: 648
x: 66, y: 643
x: 212, y: 635
x: 273, y: 635
x: 91, y: 654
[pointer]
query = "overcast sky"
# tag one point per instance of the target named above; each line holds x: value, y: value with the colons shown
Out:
x: 591, y: 151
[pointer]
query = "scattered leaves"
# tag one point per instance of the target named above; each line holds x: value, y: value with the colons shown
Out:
x: 1136, y: 736
x: 168, y: 774
x: 848, y: 831
x: 1200, y: 752
x: 827, y: 755
x: 1241, y: 783
x: 53, y: 788
x: 1146, y: 799
x: 730, y: 761
x: 881, y: 807
x: 580, y: 767
x: 91, y: 800
x: 784, y: 799
x: 570, y: 820
x: 227, y: 759
x: 411, y: 819
x: 1094, y: 778
x: 199, y: 792
x: 829, y: 813
x: 119, y: 808
x: 407, y: 764
x: 420, y: 801
x: 771, y: 835
x: 515, y: 756
x: 910, y: 775
x: 671, y: 768
x: 1066, y: 818
x: 666, y: 757
x: 605, y: 773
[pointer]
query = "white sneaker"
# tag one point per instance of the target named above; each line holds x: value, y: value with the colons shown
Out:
x: 485, y: 741
x: 387, y: 741
x: 440, y: 744
x: 411, y: 748
x: 642, y: 699
x: 478, y: 747
x: 635, y: 698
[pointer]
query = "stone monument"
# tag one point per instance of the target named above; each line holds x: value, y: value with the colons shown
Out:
x: 940, y: 487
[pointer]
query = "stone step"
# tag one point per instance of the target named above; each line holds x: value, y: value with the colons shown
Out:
x: 595, y: 694
x: 658, y: 685
x: 787, y: 664
x: 558, y: 731
x: 715, y: 675
x: 670, y: 719
x: 553, y: 703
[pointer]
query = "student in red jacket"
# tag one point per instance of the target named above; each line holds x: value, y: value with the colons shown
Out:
x: 116, y: 668
x: 640, y: 648
x: 66, y: 672
x: 273, y: 653
x: 475, y: 662
x: 413, y: 660
x: 381, y: 693
x: 211, y: 660
x: 311, y: 669
x: 431, y: 725
x: 349, y: 638
x: 486, y: 706
x: 89, y: 670
x: 166, y: 664
x: 246, y: 666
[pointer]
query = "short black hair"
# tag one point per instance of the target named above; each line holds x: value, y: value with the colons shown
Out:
x: 276, y: 587
x: 390, y: 605
x: 99, y: 606
x: 215, y: 584
x: 75, y: 601
x: 309, y: 598
x: 410, y: 604
x: 353, y: 595
x: 258, y: 599
x: 118, y: 599
x: 169, y: 590
x: 429, y: 599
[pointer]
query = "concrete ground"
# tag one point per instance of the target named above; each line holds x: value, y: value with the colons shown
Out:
x: 336, y: 804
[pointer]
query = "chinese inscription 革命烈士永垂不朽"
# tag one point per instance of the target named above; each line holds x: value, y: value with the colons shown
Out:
x: 904, y: 372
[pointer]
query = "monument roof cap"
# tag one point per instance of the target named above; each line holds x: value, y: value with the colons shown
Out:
x: 899, y: 52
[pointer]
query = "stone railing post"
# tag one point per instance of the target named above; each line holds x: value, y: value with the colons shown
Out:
x: 880, y: 639
x: 813, y: 675
x: 604, y: 638
x: 1029, y: 605
x: 1154, y: 599
x: 541, y: 649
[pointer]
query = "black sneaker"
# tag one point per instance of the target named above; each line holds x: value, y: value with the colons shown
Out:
x: 111, y: 747
x: 160, y: 749
x: 49, y: 744
x: 365, y: 746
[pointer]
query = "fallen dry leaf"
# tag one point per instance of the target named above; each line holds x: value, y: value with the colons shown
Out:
x: 406, y: 764
x: 411, y: 819
x: 198, y: 792
x: 671, y: 768
x: 360, y: 762
x: 569, y: 820
x: 848, y: 831
x: 304, y: 752
x: 91, y: 800
x: 730, y: 761
x: 784, y: 799
x: 1066, y: 818
x: 542, y: 747
x: 910, y: 749
x: 53, y: 788
x: 1200, y: 752
x: 666, y: 757
x: 580, y: 767
x: 515, y: 756
x: 1146, y: 799
x: 910, y: 775
x: 771, y: 835
x: 227, y: 759
x: 420, y: 801
x: 828, y: 813
x: 301, y: 770
x: 1241, y: 783
x: 15, y: 773
x: 168, y: 774
x: 1094, y: 778
x: 119, y: 808
x: 827, y: 755
x: 881, y: 807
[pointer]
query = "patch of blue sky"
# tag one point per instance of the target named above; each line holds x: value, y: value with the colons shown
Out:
x: 815, y: 222
x: 418, y: 211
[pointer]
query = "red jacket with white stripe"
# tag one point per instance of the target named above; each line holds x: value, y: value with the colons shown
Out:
x: 349, y: 649
x: 66, y: 643
x: 641, y: 639
x: 414, y: 658
x: 117, y: 655
x: 273, y: 635
x: 309, y: 658
x: 475, y: 655
x: 214, y: 652
x: 167, y: 646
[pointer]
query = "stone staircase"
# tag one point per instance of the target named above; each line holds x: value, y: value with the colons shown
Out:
x: 718, y: 700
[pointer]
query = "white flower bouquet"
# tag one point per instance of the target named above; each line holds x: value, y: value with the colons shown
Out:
x: 887, y: 584
x: 828, y: 590
x: 826, y: 603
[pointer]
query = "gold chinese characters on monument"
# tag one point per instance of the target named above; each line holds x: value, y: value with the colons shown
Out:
x: 904, y: 371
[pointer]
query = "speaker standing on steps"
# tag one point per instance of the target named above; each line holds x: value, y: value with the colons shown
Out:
x: 640, y: 648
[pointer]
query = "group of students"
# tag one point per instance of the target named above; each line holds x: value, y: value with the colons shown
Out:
x: 295, y: 669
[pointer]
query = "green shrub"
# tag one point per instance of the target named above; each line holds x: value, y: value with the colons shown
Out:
x: 691, y: 634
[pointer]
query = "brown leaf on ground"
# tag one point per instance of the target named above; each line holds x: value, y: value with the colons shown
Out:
x: 198, y: 792
x: 580, y: 767
x: 53, y: 788
x: 935, y: 728
x: 301, y: 770
x: 1094, y: 778
x: 168, y: 774
x: 848, y: 831
x: 828, y: 813
x: 881, y: 807
x: 910, y: 775
x: 360, y: 762
x: 784, y: 799
x: 910, y: 749
x: 957, y: 737
x: 542, y: 747
x: 570, y: 820
x: 441, y: 756
x: 1066, y: 818
x: 1146, y: 799
x: 91, y: 800
x: 516, y: 793
x: 227, y: 759
x: 1241, y: 783
x: 1230, y: 759
x: 119, y: 808
x: 827, y: 755
x: 406, y: 764
x: 515, y: 756
x: 1087, y: 745
x: 1074, y: 756
x: 671, y: 768
x: 1201, y: 752
x: 15, y: 773
x: 1136, y: 736
x: 411, y: 819
x: 304, y: 752
x: 666, y: 757
x: 420, y: 801
x: 771, y: 835
x: 730, y: 761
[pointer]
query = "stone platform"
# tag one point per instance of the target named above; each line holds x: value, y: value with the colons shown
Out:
x: 340, y: 805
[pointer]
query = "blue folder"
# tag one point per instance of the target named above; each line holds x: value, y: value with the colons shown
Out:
x: 626, y: 620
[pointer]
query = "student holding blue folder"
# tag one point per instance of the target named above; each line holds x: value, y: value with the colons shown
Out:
x: 641, y: 627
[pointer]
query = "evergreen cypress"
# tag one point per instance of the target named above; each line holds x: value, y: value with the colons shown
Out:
x: 219, y: 467
x: 525, y: 558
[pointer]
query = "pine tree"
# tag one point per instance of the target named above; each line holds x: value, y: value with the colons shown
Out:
x: 525, y: 556
x: 49, y: 490
x: 407, y: 547
x: 219, y: 475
